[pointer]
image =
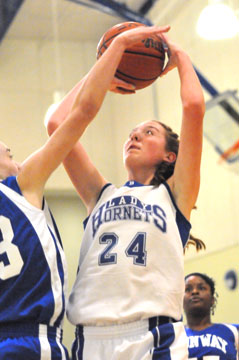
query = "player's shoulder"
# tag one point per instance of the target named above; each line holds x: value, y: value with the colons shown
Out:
x: 230, y: 329
x: 234, y: 328
x: 231, y: 326
x: 10, y: 182
x: 107, y: 190
x: 10, y: 187
x: 214, y: 328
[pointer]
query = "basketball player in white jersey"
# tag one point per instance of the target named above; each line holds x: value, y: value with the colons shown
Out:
x: 207, y: 340
x: 32, y: 262
x: 127, y: 299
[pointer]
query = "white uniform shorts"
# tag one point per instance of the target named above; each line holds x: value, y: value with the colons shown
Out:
x: 153, y: 339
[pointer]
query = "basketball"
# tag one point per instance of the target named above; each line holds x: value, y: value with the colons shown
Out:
x: 142, y: 63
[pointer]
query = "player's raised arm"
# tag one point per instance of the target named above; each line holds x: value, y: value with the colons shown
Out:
x: 186, y: 179
x: 93, y: 88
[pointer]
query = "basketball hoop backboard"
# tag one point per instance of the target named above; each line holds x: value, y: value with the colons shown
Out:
x: 221, y: 125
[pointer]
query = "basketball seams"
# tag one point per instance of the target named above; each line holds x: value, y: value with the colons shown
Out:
x: 135, y: 78
x: 104, y: 43
x: 144, y: 54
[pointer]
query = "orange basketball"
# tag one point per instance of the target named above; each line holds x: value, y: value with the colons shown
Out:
x: 142, y: 63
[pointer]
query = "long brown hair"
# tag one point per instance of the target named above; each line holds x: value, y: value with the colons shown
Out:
x: 165, y: 170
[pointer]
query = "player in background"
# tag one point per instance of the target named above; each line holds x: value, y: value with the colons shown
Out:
x: 207, y: 339
x: 32, y: 262
x: 127, y: 299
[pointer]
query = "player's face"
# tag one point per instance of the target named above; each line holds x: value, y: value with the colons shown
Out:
x: 8, y: 167
x: 198, y: 298
x: 146, y: 146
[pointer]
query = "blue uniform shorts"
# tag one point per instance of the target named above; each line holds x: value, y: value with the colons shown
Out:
x: 31, y: 342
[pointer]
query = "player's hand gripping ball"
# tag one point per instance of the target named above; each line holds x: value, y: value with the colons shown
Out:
x: 142, y: 63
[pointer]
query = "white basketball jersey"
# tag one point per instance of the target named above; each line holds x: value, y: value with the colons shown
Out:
x: 131, y: 260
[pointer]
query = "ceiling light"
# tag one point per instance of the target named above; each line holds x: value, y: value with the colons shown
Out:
x: 217, y: 21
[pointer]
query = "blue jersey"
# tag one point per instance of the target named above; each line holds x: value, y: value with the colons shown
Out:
x: 219, y: 342
x: 32, y: 262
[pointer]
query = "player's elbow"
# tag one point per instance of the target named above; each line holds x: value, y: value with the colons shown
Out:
x: 88, y: 109
x: 194, y: 108
x: 51, y: 126
x: 55, y: 119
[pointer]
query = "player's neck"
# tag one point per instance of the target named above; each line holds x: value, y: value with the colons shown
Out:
x: 142, y: 177
x: 199, y: 324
